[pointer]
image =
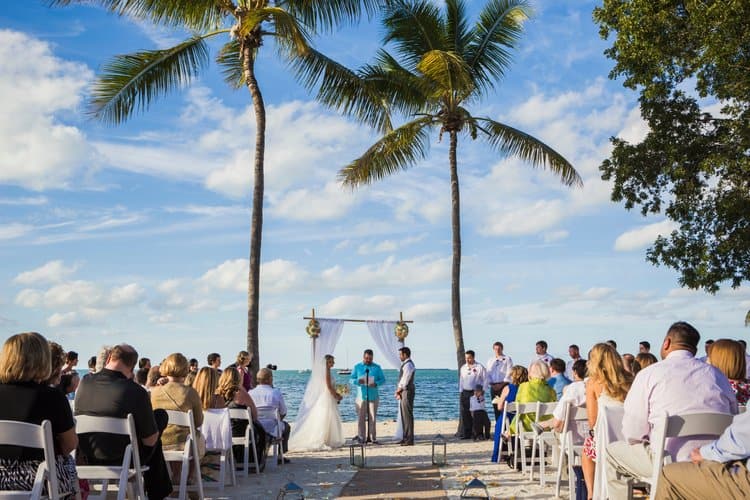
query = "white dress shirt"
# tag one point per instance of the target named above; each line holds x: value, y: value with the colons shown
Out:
x: 569, y: 368
x: 406, y: 374
x: 498, y: 369
x: 575, y: 393
x: 470, y: 376
x: 265, y: 395
x: 678, y: 385
x: 477, y: 404
x: 547, y: 358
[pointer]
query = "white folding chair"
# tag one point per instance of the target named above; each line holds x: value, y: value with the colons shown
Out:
x: 521, y: 436
x: 13, y: 433
x: 190, y: 451
x: 248, y: 440
x: 706, y: 425
x: 217, y: 430
x: 539, y: 441
x: 569, y: 448
x: 129, y: 470
x: 608, y: 429
x: 270, y: 413
x: 508, y: 408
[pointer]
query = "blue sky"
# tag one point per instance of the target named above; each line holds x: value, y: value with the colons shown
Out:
x: 140, y: 233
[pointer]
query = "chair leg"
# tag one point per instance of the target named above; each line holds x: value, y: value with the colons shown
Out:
x: 232, y: 467
x: 222, y: 470
x: 558, y: 475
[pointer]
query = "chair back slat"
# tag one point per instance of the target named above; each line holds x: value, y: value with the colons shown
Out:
x: 109, y: 425
x: 14, y: 433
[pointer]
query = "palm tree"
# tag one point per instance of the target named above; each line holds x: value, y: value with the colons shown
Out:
x: 130, y: 82
x: 443, y: 64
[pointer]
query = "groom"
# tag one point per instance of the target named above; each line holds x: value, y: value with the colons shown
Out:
x: 368, y: 376
x: 405, y: 395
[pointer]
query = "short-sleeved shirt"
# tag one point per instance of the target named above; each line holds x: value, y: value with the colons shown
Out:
x: 109, y: 393
x: 33, y: 403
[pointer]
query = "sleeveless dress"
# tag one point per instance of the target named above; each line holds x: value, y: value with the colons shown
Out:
x: 318, y: 427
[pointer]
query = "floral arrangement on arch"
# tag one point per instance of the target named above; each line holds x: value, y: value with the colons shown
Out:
x: 313, y: 329
x: 401, y: 331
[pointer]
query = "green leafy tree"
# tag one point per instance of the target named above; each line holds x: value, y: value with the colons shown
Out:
x: 441, y: 64
x: 129, y: 83
x: 690, y: 62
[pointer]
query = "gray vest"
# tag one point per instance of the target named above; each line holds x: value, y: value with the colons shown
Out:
x: 410, y: 385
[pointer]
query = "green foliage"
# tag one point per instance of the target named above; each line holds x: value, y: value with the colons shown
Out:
x: 690, y: 62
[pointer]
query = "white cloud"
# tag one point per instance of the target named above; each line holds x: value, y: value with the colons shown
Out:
x: 635, y: 239
x: 53, y: 271
x: 14, y: 230
x: 635, y: 129
x: 528, y: 219
x: 73, y: 293
x: 429, y: 312
x: 553, y: 236
x: 276, y: 276
x: 84, y: 317
x: 25, y: 201
x: 38, y: 151
x: 126, y: 295
x: 29, y: 298
x: 371, y: 307
x: 391, y: 272
x: 310, y: 204
x: 229, y: 275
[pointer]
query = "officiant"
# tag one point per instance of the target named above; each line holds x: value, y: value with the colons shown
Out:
x: 368, y: 376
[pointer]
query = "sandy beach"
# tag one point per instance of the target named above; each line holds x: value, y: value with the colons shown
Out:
x: 323, y: 475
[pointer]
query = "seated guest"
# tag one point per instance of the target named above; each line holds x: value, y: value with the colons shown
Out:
x: 627, y: 361
x: 557, y: 379
x: 25, y: 367
x: 729, y: 357
x: 206, y: 385
x: 702, y: 388
x: 574, y: 393
x: 92, y: 364
x: 71, y: 360
x: 111, y: 392
x: 716, y: 470
x: 193, y: 365
x: 536, y: 389
x: 141, y: 378
x: 607, y: 385
x: 642, y: 360
x: 264, y: 394
x: 57, y: 358
x: 479, y: 418
x: 235, y: 397
x: 518, y: 375
x: 69, y: 383
x: 175, y: 395
x: 144, y: 363
x: 154, y: 378
x: 101, y: 357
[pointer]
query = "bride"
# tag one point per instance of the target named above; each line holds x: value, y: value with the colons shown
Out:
x: 318, y: 424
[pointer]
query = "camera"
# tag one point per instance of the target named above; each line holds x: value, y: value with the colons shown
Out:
x: 271, y: 367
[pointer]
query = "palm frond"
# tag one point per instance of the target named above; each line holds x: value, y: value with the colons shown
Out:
x: 457, y: 26
x: 342, y: 89
x: 130, y: 82
x: 497, y: 32
x: 196, y: 15
x: 395, y: 151
x: 514, y: 142
x: 415, y: 28
x: 449, y: 72
x: 403, y: 90
x: 327, y: 15
x: 230, y: 62
x: 290, y: 34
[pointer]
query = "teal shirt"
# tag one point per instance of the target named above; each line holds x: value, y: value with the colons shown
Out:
x: 376, y: 373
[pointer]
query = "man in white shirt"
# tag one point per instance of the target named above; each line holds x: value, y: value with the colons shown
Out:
x: 541, y: 353
x: 405, y: 396
x: 266, y: 395
x: 498, y: 373
x: 470, y: 376
x: 678, y: 385
x: 575, y: 355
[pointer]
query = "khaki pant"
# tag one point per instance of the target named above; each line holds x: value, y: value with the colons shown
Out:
x: 362, y: 414
x: 625, y: 461
x: 687, y: 481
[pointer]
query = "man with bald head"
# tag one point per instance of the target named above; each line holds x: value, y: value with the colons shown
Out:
x: 678, y: 385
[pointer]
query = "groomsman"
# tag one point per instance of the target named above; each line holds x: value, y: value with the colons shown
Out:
x: 498, y: 373
x: 405, y: 395
x: 368, y: 376
x: 470, y: 375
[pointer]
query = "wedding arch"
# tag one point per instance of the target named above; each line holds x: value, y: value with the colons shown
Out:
x: 325, y: 333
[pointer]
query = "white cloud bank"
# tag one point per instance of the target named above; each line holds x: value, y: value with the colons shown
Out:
x: 641, y: 237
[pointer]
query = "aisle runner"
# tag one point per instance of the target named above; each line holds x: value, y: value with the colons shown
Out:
x: 395, y: 482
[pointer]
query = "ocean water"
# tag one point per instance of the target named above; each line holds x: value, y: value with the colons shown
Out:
x: 436, y: 396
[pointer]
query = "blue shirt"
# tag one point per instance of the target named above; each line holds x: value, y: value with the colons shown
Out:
x: 733, y: 444
x: 558, y: 383
x: 375, y: 373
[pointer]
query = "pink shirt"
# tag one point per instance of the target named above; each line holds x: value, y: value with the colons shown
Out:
x: 678, y: 385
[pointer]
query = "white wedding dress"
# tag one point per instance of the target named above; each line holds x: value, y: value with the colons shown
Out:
x: 318, y: 424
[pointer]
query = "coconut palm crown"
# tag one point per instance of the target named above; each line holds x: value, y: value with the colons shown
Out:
x: 440, y: 63
x: 130, y: 83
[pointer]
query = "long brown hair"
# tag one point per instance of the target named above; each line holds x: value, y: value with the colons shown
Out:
x: 205, y: 384
x: 229, y: 384
x: 606, y: 368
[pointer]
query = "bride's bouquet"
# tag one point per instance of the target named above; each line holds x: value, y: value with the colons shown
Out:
x: 343, y: 390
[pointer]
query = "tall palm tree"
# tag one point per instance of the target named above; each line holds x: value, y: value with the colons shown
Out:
x: 441, y: 64
x: 129, y: 83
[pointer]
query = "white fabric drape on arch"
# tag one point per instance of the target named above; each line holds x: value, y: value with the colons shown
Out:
x: 330, y: 333
x: 383, y: 333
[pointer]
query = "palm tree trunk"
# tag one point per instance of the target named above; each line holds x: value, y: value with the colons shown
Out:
x: 256, y: 227
x: 458, y: 333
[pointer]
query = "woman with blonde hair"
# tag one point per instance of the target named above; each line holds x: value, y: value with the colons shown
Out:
x: 25, y: 370
x: 729, y: 357
x: 175, y: 395
x: 206, y: 384
x: 231, y: 391
x: 518, y: 375
x: 608, y: 384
